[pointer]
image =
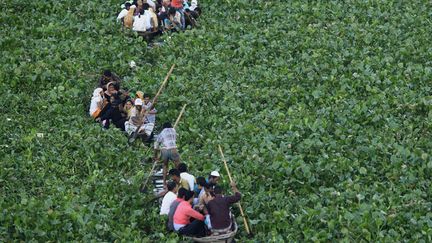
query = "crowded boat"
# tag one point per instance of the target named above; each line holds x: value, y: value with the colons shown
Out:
x: 152, y: 18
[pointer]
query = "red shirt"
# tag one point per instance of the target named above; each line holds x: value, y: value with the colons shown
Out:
x: 177, y: 3
x: 185, y: 212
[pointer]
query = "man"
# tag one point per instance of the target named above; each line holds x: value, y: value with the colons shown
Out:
x: 213, y: 179
x: 219, y: 209
x: 169, y: 198
x: 183, y: 216
x: 142, y: 22
x: 137, y: 117
x: 124, y: 12
x: 175, y: 176
x: 106, y: 78
x: 180, y: 198
x: 186, y: 176
x: 148, y: 106
x: 166, y: 144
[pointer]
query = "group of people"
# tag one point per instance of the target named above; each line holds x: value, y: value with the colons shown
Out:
x: 193, y: 206
x: 196, y: 206
x: 155, y: 17
x: 112, y: 105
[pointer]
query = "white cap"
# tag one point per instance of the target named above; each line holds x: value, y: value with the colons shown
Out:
x: 215, y: 173
x: 138, y: 101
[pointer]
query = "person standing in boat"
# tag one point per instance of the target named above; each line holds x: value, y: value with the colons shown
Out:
x: 219, y: 209
x: 166, y: 144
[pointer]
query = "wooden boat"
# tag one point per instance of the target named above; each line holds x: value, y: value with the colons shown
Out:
x: 216, y: 238
x: 226, y: 238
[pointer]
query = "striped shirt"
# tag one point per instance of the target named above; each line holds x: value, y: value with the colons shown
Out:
x: 167, y: 138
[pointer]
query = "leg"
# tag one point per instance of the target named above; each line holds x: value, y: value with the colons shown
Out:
x: 165, y: 171
x: 196, y: 228
x: 175, y: 157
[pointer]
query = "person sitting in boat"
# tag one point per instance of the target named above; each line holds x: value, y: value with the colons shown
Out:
x: 181, y: 183
x: 108, y: 77
x: 151, y: 111
x: 142, y: 22
x: 219, y: 209
x: 136, y: 117
x: 113, y: 107
x: 97, y: 103
x: 213, y: 178
x: 166, y: 144
x: 173, y: 22
x: 124, y: 12
x: 183, y: 216
x: 127, y: 109
x: 173, y: 207
x: 129, y: 18
x: 169, y: 198
x: 182, y: 167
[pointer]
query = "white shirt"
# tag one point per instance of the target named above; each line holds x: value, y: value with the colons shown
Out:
x: 94, y: 105
x: 167, y: 138
x: 166, y: 202
x: 194, y: 5
x: 122, y: 14
x: 150, y: 117
x: 189, y: 178
x: 142, y: 22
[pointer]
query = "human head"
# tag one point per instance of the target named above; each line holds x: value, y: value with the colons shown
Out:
x: 214, y: 177
x: 217, y: 190
x: 97, y: 92
x: 145, y: 6
x: 172, y: 11
x: 138, y: 104
x: 110, y: 87
x: 201, y: 182
x: 146, y: 98
x: 140, y: 94
x: 189, y: 196
x: 181, y: 193
x: 175, y: 175
x: 128, y: 105
x: 167, y: 125
x: 172, y: 186
x: 166, y: 3
x: 127, y: 5
x: 107, y: 74
x: 182, y: 167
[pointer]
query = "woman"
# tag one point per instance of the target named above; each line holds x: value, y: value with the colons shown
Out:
x: 96, y: 104
x: 127, y: 110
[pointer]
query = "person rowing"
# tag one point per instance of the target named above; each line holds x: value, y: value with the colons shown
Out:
x: 166, y: 144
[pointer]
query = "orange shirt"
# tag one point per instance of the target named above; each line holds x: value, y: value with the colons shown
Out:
x: 185, y: 212
x: 177, y: 3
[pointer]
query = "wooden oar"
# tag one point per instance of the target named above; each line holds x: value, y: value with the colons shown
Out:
x: 155, y: 161
x: 231, y: 180
x: 135, y: 134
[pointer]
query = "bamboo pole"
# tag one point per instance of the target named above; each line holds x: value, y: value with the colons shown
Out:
x: 231, y: 180
x: 135, y: 134
x: 179, y: 116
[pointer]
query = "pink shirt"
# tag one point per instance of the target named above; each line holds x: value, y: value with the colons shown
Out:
x: 185, y: 212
